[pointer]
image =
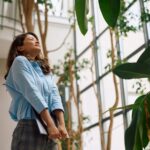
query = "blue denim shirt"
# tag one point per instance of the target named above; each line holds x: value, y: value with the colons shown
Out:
x: 28, y: 86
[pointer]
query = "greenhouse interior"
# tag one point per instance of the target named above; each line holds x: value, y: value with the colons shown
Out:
x: 99, y: 54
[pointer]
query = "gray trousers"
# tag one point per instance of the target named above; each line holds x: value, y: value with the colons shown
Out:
x: 26, y: 136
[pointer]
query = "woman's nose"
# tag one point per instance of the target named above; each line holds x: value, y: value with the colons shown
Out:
x: 37, y: 42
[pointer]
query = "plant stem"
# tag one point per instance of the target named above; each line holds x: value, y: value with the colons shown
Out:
x: 116, y: 93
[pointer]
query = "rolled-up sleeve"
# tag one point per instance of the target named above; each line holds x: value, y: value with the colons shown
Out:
x: 24, y: 83
x: 56, y: 99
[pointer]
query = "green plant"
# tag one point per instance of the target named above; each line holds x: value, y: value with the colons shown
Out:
x: 62, y: 68
x: 123, y: 24
x: 140, y: 86
x: 110, y: 10
x: 145, y: 16
x: 9, y: 1
x: 137, y: 134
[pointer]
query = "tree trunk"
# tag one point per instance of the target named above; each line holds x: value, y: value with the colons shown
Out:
x: 116, y: 93
x: 43, y: 34
x: 28, y: 6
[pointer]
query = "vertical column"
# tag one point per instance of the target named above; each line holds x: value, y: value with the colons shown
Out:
x: 15, y: 15
x: 75, y: 57
x: 122, y: 85
x: 93, y: 6
x: 145, y: 30
x: 2, y: 14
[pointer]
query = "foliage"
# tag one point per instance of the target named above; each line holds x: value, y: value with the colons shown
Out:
x: 41, y: 1
x: 140, y: 69
x: 9, y: 1
x: 145, y: 16
x: 49, y: 3
x: 136, y: 135
x: 140, y: 87
x: 123, y: 24
x: 81, y: 7
x: 62, y: 69
x: 110, y: 10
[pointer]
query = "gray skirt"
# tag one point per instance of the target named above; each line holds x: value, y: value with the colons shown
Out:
x: 26, y: 136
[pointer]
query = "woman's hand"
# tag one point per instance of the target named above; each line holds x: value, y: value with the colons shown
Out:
x: 53, y: 133
x: 63, y: 131
x: 61, y: 123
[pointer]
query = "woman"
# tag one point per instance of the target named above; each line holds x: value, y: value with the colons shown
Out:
x: 33, y: 90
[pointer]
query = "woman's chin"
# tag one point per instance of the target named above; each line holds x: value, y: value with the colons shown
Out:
x: 38, y: 50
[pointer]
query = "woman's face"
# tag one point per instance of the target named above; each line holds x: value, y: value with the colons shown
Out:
x: 31, y: 47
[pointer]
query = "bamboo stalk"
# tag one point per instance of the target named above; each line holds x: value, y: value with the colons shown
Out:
x: 97, y: 98
x: 99, y: 113
x: 80, y: 129
x: 116, y: 94
x: 21, y: 16
x: 69, y: 123
x: 42, y: 34
x: 28, y: 6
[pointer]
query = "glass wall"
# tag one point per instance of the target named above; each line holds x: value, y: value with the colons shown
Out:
x: 131, y: 45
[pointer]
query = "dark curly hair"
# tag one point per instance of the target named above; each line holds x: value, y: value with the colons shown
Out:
x: 13, y: 53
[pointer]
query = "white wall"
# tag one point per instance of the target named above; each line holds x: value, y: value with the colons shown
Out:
x: 6, y: 124
x: 57, y: 31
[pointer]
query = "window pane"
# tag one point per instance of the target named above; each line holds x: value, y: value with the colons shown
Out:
x: 108, y: 93
x: 104, y: 48
x: 133, y: 40
x: 86, y: 76
x: 89, y: 107
x: 117, y: 133
x: 91, y: 139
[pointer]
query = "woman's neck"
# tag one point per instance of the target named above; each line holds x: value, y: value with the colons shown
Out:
x: 30, y: 57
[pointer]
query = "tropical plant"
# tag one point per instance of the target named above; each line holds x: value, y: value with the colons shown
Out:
x: 137, y: 134
x: 110, y: 10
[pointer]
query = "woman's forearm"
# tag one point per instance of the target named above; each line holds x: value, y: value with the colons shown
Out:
x: 60, y: 116
x: 61, y: 123
x: 45, y: 115
x: 53, y: 132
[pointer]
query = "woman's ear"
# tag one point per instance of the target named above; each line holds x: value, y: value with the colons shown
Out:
x: 20, y: 49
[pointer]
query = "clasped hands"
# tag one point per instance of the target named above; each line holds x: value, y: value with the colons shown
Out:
x: 59, y: 132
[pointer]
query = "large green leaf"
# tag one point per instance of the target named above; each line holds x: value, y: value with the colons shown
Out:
x: 10, y: 1
x: 136, y: 135
x: 148, y: 102
x: 138, y: 143
x: 41, y: 1
x: 110, y: 10
x: 81, y: 8
x: 141, y: 139
x: 145, y: 57
x: 132, y: 70
x: 130, y: 133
